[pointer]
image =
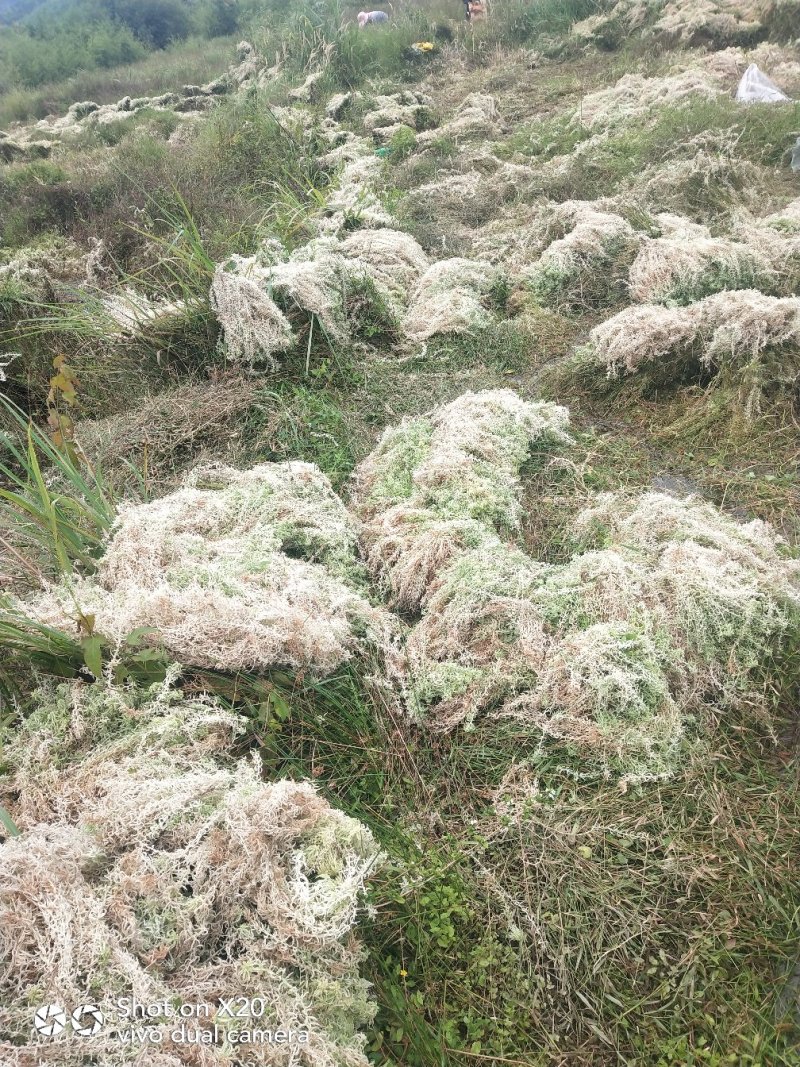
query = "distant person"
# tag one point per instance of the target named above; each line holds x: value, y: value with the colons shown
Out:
x: 475, y: 10
x: 371, y: 16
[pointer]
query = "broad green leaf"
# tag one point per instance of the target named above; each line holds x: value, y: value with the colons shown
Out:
x: 93, y: 654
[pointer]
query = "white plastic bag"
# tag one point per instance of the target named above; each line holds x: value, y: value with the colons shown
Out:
x: 756, y: 88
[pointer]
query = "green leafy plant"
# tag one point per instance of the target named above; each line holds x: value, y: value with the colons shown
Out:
x: 55, y: 501
x: 402, y: 144
x: 27, y: 643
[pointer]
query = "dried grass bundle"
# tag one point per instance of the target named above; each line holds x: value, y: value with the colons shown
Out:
x: 171, y: 427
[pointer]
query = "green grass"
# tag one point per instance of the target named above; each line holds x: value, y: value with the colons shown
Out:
x: 51, y: 499
x: 763, y: 135
x: 300, y: 422
x: 190, y: 62
x: 646, y: 927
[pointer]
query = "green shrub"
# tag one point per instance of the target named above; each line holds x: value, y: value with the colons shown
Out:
x: 23, y: 177
x: 57, y: 47
x: 402, y: 144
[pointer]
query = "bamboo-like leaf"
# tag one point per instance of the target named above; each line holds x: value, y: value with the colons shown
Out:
x: 67, y: 526
x: 93, y: 654
x: 47, y: 505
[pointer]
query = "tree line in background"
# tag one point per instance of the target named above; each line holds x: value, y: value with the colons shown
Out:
x: 54, y: 39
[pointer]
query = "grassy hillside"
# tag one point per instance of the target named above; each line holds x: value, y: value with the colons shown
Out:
x: 400, y: 529
x: 57, y: 39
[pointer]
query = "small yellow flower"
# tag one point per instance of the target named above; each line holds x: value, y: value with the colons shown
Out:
x: 403, y: 973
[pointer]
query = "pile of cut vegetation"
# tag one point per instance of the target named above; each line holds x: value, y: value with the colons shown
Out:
x: 668, y: 605
x: 152, y: 866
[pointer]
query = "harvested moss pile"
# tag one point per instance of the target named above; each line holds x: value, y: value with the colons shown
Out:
x: 451, y: 297
x: 584, y: 238
x: 689, y: 22
x: 635, y: 97
x: 749, y: 339
x: 187, y: 107
x: 684, y: 268
x: 460, y: 203
x: 37, y: 271
x: 557, y: 246
x: 687, y: 263
x: 717, y: 21
x: 477, y: 116
x: 256, y: 298
x: 391, y: 113
x: 253, y: 326
x: 354, y: 202
x: 438, y: 485
x: 563, y: 249
x: 127, y: 312
x: 237, y: 570
x: 667, y: 604
x: 152, y: 866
